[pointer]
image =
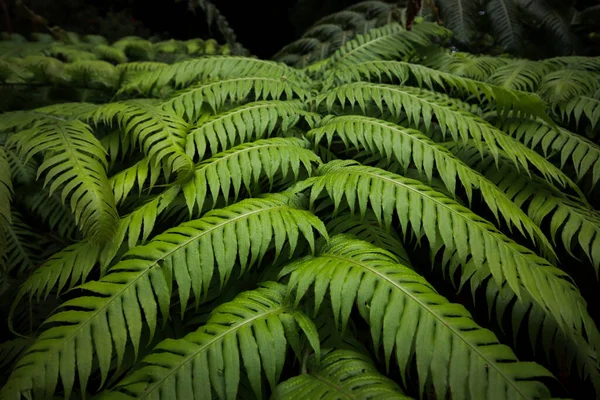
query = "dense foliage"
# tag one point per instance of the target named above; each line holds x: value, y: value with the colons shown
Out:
x: 394, y: 221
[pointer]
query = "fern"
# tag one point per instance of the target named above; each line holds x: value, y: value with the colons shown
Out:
x: 73, y: 159
x: 250, y: 331
x: 345, y: 373
x: 390, y: 295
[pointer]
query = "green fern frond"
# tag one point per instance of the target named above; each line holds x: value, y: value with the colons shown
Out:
x: 110, y: 53
x: 142, y: 174
x: 251, y: 332
x: 21, y: 172
x: 225, y: 171
x: 447, y: 224
x: 74, y: 160
x: 22, y: 250
x: 122, y: 302
x: 93, y: 74
x: 389, y: 41
x: 465, y: 64
x: 6, y: 188
x: 421, y: 106
x: 340, y: 374
x: 577, y: 62
x: 369, y: 229
x: 50, y: 210
x: 575, y: 221
x: 184, y: 73
x: 246, y: 122
x: 77, y: 110
x: 582, y: 153
x: 10, y: 351
x: 458, y: 16
x: 500, y: 98
x: 409, y: 318
x: 506, y: 26
x: 411, y: 147
x: 63, y: 270
x: 522, y: 75
x: 582, y: 105
x: 560, y: 86
x: 159, y: 134
x: 189, y: 102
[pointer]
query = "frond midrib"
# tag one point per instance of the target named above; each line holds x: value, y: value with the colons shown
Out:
x: 156, y: 385
x: 428, y: 309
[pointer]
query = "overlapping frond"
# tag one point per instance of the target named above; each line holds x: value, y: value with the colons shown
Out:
x: 346, y: 373
x: 451, y: 350
x: 582, y: 106
x: 506, y: 26
x: 465, y: 64
x: 389, y: 41
x: 200, y: 69
x: 522, y: 75
x: 500, y: 98
x: 420, y: 106
x: 558, y: 87
x: 75, y: 162
x: 576, y: 221
x: 6, y: 189
x: 188, y: 103
x: 242, y: 166
x: 248, y: 335
x: 250, y: 121
x: 63, y: 270
x: 581, y: 153
x: 22, y: 247
x: 50, y: 210
x: 459, y: 17
x: 161, y: 135
x: 142, y: 175
x: 92, y: 328
x: 411, y: 147
x: 445, y: 223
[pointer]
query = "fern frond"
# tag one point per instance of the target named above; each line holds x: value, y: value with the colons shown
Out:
x: 389, y: 41
x: 406, y: 314
x: 556, y: 23
x: 127, y: 298
x: 409, y: 146
x: 110, y: 53
x: 421, y: 106
x: 446, y: 223
x: 74, y: 160
x: 50, y: 210
x: 63, y: 270
x: 369, y: 229
x: 522, y: 75
x: 216, y: 94
x: 10, y: 351
x: 93, y: 74
x: 459, y: 17
x: 22, y: 250
x: 246, y: 122
x: 339, y: 374
x: 582, y: 153
x: 573, y: 219
x: 243, y: 165
x: 500, y: 98
x: 21, y: 172
x: 577, y: 62
x: 582, y: 105
x: 218, y: 67
x: 250, y: 332
x: 560, y: 86
x: 504, y: 18
x: 142, y: 174
x: 465, y: 64
x: 161, y: 135
x: 6, y: 189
